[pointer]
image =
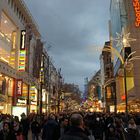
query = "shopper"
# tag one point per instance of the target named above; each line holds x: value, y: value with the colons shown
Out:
x: 76, y: 132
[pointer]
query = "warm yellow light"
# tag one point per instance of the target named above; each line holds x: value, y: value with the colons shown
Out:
x: 5, y: 21
x: 91, y: 109
x: 1, y: 34
x: 124, y: 41
x: 4, y: 59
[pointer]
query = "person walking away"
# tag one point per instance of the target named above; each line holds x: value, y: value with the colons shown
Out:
x: 120, y: 129
x: 76, y: 131
x: 51, y: 129
x: 25, y: 126
x: 35, y: 128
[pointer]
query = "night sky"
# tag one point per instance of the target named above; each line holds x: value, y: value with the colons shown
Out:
x: 74, y: 32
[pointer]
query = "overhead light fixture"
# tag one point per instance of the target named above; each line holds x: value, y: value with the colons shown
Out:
x: 5, y: 21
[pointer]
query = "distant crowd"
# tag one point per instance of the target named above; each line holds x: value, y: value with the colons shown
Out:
x: 74, y: 126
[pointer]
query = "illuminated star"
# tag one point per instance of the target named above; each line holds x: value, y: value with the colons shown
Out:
x: 123, y: 39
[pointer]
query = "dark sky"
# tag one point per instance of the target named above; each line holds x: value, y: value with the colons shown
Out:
x: 76, y: 30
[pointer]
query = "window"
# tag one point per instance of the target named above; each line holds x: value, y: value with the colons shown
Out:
x: 8, y: 37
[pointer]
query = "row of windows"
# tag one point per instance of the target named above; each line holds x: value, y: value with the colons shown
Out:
x: 17, y: 11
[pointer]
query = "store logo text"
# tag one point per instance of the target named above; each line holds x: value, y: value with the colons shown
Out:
x: 136, y: 5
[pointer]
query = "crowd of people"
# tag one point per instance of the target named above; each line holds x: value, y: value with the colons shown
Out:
x: 75, y: 126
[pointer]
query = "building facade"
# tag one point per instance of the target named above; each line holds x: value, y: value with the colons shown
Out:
x: 107, y: 77
x: 19, y: 37
x: 125, y: 16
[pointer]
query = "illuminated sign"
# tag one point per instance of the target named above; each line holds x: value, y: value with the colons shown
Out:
x: 21, y: 101
x: 22, y: 40
x: 123, y: 97
x: 22, y: 60
x: 22, y: 54
x: 19, y: 87
x: 33, y: 103
x: 136, y: 5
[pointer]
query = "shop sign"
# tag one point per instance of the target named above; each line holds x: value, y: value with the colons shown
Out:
x: 19, y: 101
x: 22, y: 40
x: 22, y: 54
x: 22, y: 60
x: 33, y: 103
x: 19, y: 87
x: 136, y: 5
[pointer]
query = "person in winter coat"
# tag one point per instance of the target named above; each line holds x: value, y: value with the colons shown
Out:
x: 51, y: 129
x: 6, y: 133
x: 76, y: 132
x: 17, y: 129
x: 25, y: 126
x: 132, y: 131
x: 35, y: 128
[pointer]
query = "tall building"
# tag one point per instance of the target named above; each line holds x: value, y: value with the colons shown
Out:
x: 125, y: 16
x: 19, y: 42
x: 107, y: 77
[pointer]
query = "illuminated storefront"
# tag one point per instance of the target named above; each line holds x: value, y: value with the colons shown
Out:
x: 44, y: 100
x: 6, y: 93
x: 17, y: 64
x: 33, y: 99
x: 126, y: 15
x: 20, y: 105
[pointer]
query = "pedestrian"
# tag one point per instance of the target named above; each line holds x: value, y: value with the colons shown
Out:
x: 76, y: 131
x: 98, y: 128
x: 25, y: 125
x: 17, y: 129
x: 35, y: 128
x: 51, y: 129
x: 6, y: 133
x: 64, y: 126
x: 132, y: 131
x: 120, y: 129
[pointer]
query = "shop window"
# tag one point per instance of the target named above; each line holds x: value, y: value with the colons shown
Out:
x: 2, y: 85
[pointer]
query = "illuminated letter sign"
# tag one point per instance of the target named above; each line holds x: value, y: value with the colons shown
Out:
x: 136, y: 5
x: 22, y: 54
x: 19, y: 87
x: 22, y: 40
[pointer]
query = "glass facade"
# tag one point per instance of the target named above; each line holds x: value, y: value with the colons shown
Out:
x: 118, y: 21
x: 6, y: 93
x: 8, y: 37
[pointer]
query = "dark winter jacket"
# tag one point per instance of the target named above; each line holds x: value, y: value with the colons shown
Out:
x: 75, y: 133
x: 51, y: 130
x: 7, y: 135
x: 35, y: 127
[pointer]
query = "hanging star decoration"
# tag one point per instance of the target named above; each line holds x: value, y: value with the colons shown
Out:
x: 123, y: 39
